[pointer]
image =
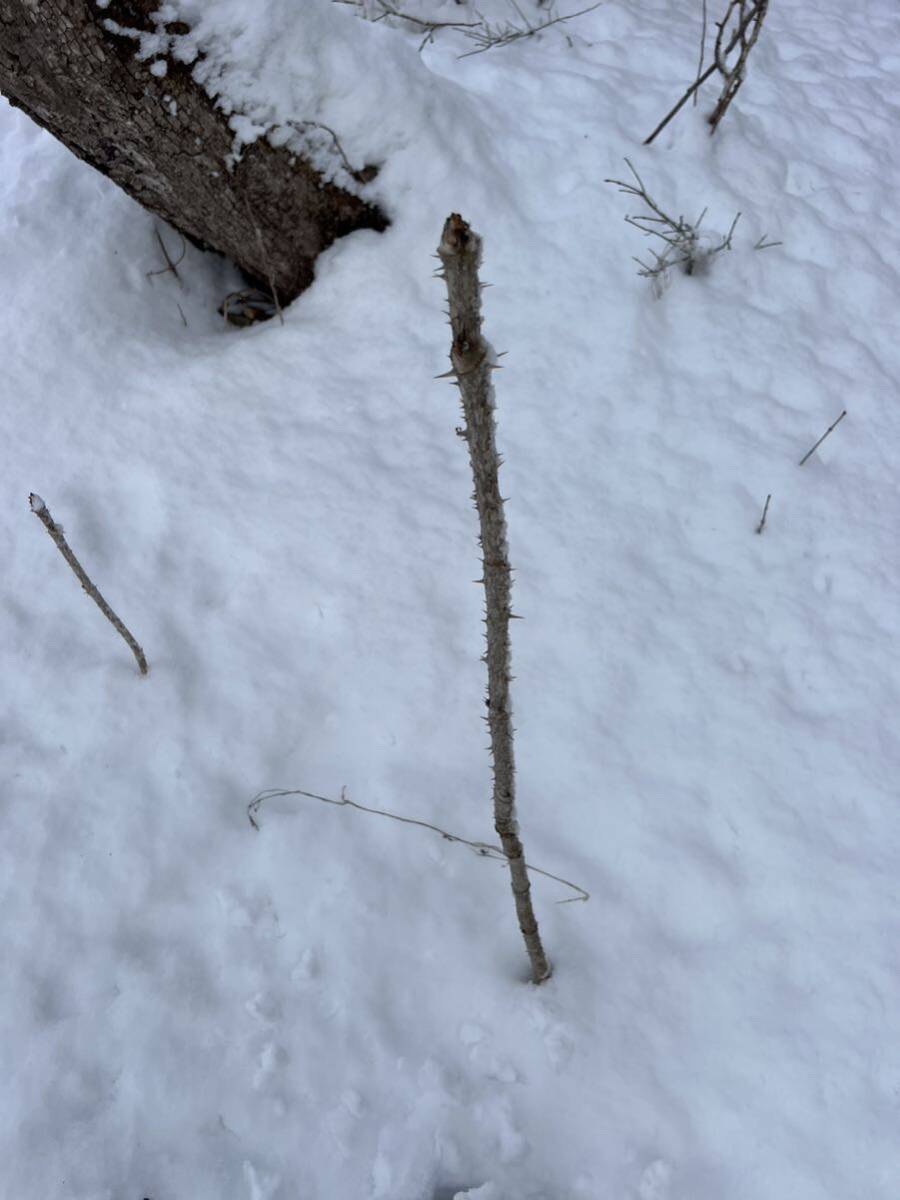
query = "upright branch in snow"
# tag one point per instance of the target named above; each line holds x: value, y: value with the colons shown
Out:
x: 682, y: 238
x: 39, y: 508
x: 747, y: 16
x: 736, y: 34
x: 471, y: 367
x: 761, y: 526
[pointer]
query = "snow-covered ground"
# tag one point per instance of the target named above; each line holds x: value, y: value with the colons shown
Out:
x: 333, y: 1007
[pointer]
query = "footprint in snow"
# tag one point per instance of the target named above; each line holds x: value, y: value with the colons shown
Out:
x: 490, y: 1064
x: 254, y: 913
x: 656, y: 1180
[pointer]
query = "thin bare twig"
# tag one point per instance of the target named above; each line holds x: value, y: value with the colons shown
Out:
x: 832, y: 426
x: 40, y: 509
x: 361, y: 174
x: 170, y: 267
x: 429, y: 26
x: 702, y: 46
x: 269, y: 276
x: 681, y: 237
x: 488, y: 36
x: 484, y: 849
x: 761, y: 526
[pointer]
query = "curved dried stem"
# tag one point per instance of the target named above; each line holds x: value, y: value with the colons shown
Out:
x: 483, y: 849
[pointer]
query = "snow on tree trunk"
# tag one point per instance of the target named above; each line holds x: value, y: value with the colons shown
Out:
x: 71, y: 65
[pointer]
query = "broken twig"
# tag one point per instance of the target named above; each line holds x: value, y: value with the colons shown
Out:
x: 39, y: 508
x: 170, y: 267
x: 761, y: 526
x: 822, y: 438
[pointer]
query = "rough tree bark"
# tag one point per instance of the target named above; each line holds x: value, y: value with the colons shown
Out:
x: 471, y: 367
x: 164, y: 141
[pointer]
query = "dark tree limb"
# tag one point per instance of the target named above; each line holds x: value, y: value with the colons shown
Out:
x: 71, y: 66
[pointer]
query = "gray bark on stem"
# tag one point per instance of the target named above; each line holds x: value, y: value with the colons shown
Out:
x: 471, y: 367
x: 40, y: 509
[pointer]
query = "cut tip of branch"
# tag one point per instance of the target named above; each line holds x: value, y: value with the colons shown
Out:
x: 457, y: 236
x: 36, y: 503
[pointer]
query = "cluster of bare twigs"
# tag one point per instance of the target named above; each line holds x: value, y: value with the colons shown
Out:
x: 684, y: 245
x: 487, y: 35
x: 736, y: 35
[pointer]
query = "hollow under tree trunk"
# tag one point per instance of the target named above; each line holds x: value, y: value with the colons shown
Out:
x: 165, y: 143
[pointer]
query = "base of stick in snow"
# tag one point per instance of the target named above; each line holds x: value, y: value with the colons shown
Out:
x: 471, y: 366
x: 40, y: 509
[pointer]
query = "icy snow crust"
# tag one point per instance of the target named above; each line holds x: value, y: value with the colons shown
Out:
x: 332, y: 1008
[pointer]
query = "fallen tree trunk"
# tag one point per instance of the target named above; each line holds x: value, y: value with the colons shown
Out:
x: 71, y: 66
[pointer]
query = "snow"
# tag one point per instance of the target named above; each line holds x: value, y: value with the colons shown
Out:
x: 334, y: 1006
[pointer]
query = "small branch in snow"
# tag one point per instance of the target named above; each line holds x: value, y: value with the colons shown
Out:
x: 485, y: 34
x: 761, y: 526
x: 749, y: 24
x: 170, y: 267
x: 39, y: 508
x: 431, y: 27
x: 361, y: 175
x: 488, y: 36
x: 833, y: 425
x: 483, y: 849
x: 762, y: 244
x: 745, y: 34
x: 681, y: 237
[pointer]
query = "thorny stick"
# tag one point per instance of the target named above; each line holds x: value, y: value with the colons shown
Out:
x: 472, y: 360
